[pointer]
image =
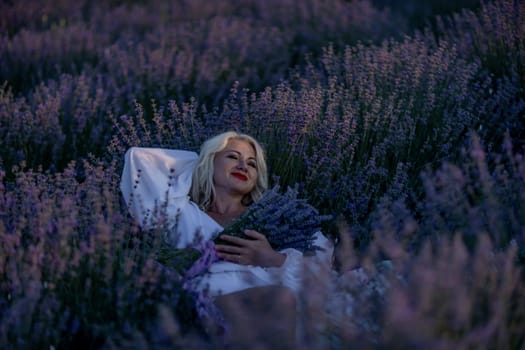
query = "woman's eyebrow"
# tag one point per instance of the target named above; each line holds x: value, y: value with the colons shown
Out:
x: 239, y: 153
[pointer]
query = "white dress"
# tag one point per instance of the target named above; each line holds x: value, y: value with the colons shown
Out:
x: 156, y: 178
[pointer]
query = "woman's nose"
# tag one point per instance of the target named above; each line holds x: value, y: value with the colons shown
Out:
x: 241, y: 164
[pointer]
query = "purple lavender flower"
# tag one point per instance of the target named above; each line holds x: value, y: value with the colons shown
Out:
x: 285, y: 220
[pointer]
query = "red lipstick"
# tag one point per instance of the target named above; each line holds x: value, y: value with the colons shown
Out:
x: 240, y: 176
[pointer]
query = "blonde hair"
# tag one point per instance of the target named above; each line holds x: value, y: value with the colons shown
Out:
x: 202, y: 189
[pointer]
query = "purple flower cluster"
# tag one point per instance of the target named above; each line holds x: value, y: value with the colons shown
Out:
x: 285, y: 220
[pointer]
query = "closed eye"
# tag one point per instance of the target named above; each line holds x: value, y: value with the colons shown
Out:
x: 251, y: 163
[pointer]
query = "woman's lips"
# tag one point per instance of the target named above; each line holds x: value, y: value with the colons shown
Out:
x: 240, y: 176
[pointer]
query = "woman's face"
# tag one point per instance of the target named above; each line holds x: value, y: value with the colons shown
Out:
x: 235, y: 168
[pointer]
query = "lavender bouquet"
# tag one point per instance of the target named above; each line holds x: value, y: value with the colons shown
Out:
x: 285, y: 220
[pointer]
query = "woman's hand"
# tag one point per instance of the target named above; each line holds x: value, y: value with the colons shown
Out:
x: 253, y: 251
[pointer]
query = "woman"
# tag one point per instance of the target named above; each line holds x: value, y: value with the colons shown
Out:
x: 199, y: 196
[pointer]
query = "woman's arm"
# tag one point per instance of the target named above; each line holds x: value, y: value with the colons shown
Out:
x: 286, y: 264
x: 155, y: 185
x: 257, y: 251
x: 153, y: 176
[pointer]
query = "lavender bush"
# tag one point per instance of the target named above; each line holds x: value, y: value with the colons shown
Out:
x: 123, y: 53
x: 499, y: 48
x: 420, y: 14
x: 187, y: 48
x: 416, y: 140
x: 74, y: 269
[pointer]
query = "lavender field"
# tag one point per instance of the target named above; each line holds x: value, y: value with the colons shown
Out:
x: 405, y: 121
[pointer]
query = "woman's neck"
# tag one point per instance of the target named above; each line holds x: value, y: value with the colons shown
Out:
x: 226, y: 203
x: 225, y: 211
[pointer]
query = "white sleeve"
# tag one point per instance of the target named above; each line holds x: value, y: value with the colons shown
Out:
x: 151, y: 176
x: 291, y: 271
